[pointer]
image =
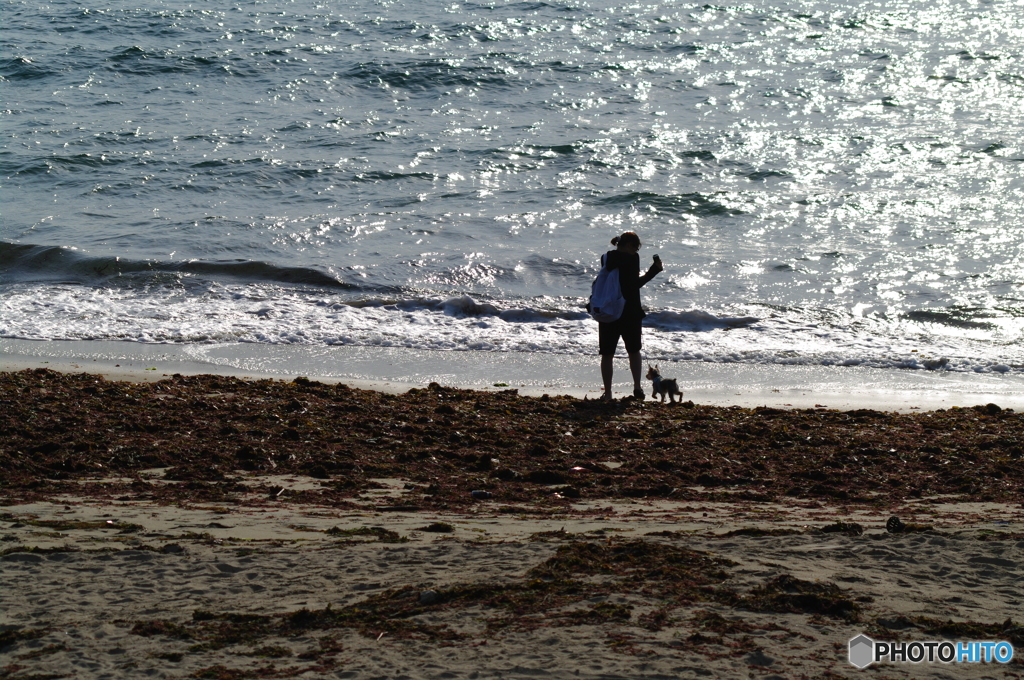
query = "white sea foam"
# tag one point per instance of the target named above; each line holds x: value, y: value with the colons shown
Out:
x: 261, y: 314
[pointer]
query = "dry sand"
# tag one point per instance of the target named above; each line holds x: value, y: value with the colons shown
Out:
x: 101, y: 590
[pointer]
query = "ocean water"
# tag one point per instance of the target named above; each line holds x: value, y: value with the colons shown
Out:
x: 827, y: 183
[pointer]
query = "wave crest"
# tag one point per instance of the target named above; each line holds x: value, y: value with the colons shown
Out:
x: 696, y: 321
x: 26, y: 263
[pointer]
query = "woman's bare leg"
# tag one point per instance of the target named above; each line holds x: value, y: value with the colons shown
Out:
x: 636, y: 365
x: 606, y: 373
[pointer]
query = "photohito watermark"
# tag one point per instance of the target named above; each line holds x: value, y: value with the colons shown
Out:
x: 864, y: 651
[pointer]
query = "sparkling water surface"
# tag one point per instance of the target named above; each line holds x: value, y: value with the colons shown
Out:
x: 826, y: 183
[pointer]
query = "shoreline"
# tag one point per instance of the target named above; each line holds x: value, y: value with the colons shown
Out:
x: 397, y: 370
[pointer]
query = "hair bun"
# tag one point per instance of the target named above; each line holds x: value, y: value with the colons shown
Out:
x: 627, y: 239
x: 615, y: 240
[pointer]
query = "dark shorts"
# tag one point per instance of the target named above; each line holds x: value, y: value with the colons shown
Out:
x: 609, y: 334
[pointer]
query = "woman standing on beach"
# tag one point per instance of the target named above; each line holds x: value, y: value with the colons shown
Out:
x: 625, y: 258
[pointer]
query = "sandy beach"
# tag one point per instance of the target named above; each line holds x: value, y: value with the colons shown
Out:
x: 213, y: 527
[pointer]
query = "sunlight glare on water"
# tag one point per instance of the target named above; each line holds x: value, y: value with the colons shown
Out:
x: 850, y: 175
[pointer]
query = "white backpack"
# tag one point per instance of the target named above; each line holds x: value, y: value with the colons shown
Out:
x: 606, y: 301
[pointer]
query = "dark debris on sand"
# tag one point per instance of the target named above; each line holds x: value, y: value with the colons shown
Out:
x: 79, y: 433
x: 649, y: 585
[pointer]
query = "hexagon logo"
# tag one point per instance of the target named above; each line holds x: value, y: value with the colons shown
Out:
x: 862, y: 651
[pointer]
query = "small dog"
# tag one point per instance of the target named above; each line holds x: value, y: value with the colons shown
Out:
x: 662, y: 387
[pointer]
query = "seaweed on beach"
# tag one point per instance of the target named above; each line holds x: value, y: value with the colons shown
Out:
x: 757, y: 531
x: 20, y: 634
x: 161, y: 627
x: 15, y: 668
x: 964, y: 630
x: 213, y: 436
x: 36, y: 550
x: 786, y: 593
x: 60, y: 525
x: 438, y: 528
x: 845, y: 528
x: 211, y: 631
x: 380, y: 534
x: 637, y: 560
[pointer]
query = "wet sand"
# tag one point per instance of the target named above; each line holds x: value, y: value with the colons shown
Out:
x: 398, y: 369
